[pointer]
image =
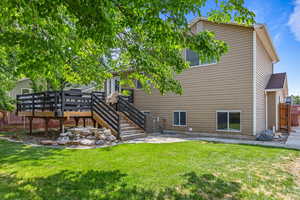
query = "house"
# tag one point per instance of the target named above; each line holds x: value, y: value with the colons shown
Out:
x: 236, y: 97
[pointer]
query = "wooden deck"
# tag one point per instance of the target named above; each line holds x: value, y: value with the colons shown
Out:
x: 63, y: 105
x: 51, y: 114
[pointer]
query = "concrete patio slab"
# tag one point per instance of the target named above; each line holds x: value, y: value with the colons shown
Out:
x: 170, y: 138
x: 294, y: 138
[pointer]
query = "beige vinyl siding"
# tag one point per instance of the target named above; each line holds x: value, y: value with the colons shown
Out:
x: 264, y: 70
x: 223, y: 86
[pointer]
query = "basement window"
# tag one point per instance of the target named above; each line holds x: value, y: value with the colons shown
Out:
x: 179, y: 118
x: 229, y: 121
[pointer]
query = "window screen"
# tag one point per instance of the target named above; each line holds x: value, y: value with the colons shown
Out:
x: 194, y: 59
x: 234, y: 121
x: 222, y: 121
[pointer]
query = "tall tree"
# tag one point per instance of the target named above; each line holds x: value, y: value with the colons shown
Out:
x: 7, y: 77
x: 84, y: 41
x: 296, y: 99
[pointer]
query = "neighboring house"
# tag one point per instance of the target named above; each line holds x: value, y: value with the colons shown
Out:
x: 23, y: 86
x: 237, y: 96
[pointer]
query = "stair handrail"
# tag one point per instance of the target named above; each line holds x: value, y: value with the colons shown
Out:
x: 131, y: 112
x: 106, y: 112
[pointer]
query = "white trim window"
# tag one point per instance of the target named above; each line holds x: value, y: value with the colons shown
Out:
x: 179, y: 118
x: 194, y: 59
x: 228, y: 120
x: 26, y: 90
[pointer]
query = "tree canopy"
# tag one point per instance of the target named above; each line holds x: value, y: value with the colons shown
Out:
x: 296, y: 100
x: 84, y: 41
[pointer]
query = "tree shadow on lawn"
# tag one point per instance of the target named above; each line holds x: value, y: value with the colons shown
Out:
x: 111, y: 185
x: 11, y: 152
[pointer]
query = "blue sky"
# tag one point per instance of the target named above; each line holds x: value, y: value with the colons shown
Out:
x: 282, y: 18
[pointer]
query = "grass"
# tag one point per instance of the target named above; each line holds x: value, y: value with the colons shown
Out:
x: 187, y: 170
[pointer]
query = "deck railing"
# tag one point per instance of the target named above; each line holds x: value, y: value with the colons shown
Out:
x: 77, y: 101
x: 56, y: 101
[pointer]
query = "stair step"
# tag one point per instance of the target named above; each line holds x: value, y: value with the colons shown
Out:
x: 128, y: 128
x: 131, y: 131
x: 132, y: 136
x: 126, y: 125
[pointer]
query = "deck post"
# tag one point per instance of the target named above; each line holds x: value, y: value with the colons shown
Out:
x: 83, y: 122
x: 61, y: 125
x: 30, y: 125
x: 94, y: 123
x: 62, y: 106
x: 46, y: 125
x: 76, y: 121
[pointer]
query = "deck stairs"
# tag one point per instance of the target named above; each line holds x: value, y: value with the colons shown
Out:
x: 125, y: 121
x: 129, y: 130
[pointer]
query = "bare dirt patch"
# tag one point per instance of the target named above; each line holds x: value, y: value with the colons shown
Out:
x: 295, y: 170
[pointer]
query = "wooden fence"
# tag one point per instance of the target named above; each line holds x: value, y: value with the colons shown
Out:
x: 285, y: 117
x: 295, y: 115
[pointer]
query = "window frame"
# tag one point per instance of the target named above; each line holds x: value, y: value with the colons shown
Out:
x: 29, y: 89
x: 228, y: 119
x: 173, y: 118
x: 200, y: 65
x: 137, y: 82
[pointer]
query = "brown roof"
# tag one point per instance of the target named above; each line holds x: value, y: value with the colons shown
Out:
x: 276, y: 81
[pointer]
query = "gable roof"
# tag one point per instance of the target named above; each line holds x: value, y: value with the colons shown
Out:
x: 276, y: 81
x: 260, y: 29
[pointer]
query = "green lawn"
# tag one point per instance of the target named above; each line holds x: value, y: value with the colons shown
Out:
x: 187, y: 170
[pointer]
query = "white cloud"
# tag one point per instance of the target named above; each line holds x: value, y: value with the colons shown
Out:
x: 277, y: 38
x: 294, y: 20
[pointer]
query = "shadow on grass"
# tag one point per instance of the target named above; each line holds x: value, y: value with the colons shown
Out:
x: 111, y: 185
x: 11, y: 153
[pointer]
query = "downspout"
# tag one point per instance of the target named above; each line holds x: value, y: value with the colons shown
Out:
x: 254, y: 84
x: 276, y: 110
x: 266, y: 109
